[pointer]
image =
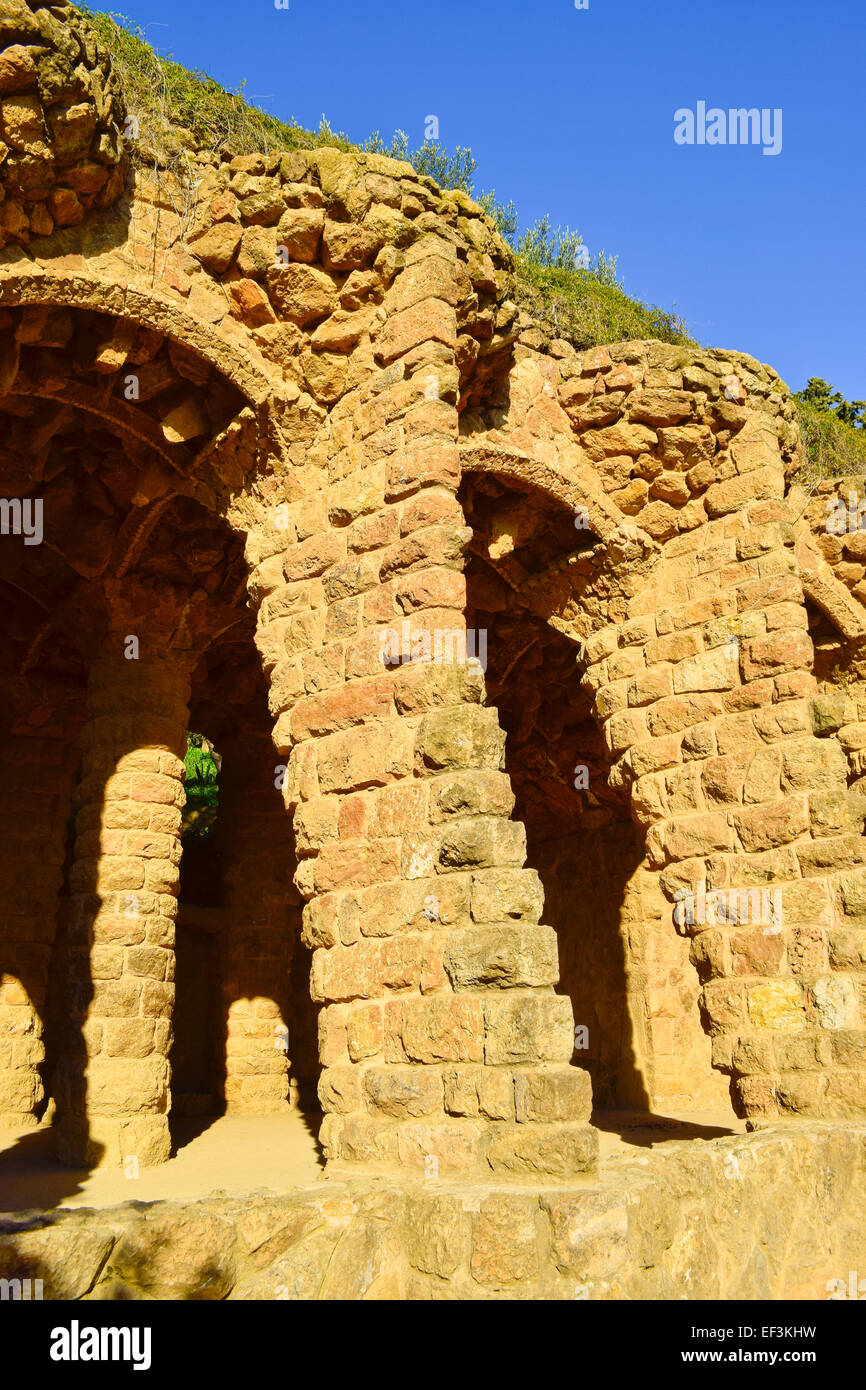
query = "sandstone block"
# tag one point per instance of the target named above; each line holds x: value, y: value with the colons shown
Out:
x: 778, y: 1006
x: 403, y: 1091
x: 502, y: 957
x: 543, y: 1151
x: 505, y: 1243
x: 429, y: 321
x: 482, y: 841
x: 549, y: 1096
x: 301, y: 293
x: 434, y: 1030
x: 216, y: 247
x: 300, y: 231
x: 521, y: 1028
x: 463, y: 736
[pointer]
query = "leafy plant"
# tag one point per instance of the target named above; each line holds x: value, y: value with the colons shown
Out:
x: 820, y: 396
x: 831, y: 446
x: 201, y: 769
x: 502, y: 215
x: 432, y: 159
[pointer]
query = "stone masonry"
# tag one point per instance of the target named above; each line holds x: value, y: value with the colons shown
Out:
x: 305, y: 412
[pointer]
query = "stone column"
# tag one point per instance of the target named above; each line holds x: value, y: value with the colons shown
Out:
x: 113, y: 1092
x: 443, y: 1044
x: 710, y: 706
x: 36, y: 775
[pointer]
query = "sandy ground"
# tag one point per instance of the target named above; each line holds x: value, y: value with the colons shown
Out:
x: 624, y: 1132
x: 234, y: 1154
x: 241, y: 1154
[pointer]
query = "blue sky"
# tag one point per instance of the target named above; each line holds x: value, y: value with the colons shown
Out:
x: 571, y: 112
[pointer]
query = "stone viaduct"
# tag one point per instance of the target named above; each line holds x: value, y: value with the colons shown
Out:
x: 273, y: 412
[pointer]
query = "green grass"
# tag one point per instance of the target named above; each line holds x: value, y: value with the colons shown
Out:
x: 576, y: 305
x: 168, y: 99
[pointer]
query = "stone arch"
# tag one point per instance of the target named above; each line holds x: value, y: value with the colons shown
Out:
x: 77, y: 290
x: 575, y: 491
x: 587, y: 844
x: 119, y: 898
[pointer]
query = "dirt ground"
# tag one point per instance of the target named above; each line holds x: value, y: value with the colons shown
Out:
x: 232, y: 1154
x: 237, y: 1155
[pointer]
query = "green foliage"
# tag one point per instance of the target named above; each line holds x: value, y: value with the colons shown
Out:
x: 201, y: 768
x: 432, y: 159
x: 832, y: 449
x: 589, y: 307
x: 820, y: 397
x: 502, y: 215
x: 833, y: 431
x: 178, y: 109
x: 543, y: 246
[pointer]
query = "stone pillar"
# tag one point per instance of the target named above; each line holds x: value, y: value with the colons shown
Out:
x: 36, y: 776
x: 710, y: 707
x: 113, y: 1092
x: 443, y: 1044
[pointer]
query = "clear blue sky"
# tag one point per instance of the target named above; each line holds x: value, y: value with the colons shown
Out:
x: 572, y: 113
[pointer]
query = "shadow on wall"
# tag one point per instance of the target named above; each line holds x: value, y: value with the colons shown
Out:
x: 240, y: 981
x: 586, y: 877
x: 240, y: 882
x: 580, y: 837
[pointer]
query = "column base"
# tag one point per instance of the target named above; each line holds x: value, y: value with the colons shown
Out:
x: 103, y: 1142
x: 458, y: 1148
x: 16, y: 1119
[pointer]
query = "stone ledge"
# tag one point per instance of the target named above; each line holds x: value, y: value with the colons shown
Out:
x: 693, y: 1221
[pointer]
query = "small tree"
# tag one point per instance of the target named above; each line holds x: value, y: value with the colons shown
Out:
x: 820, y: 395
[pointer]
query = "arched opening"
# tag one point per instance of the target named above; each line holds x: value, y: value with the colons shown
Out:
x: 128, y: 625
x: 197, y: 1057
x: 535, y: 585
x: 541, y: 581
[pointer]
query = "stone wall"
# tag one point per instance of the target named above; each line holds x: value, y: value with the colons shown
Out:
x: 679, y: 1225
x: 702, y: 679
x: 61, y: 122
x: 317, y: 353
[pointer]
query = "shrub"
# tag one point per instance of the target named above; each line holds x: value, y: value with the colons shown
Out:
x: 833, y: 431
